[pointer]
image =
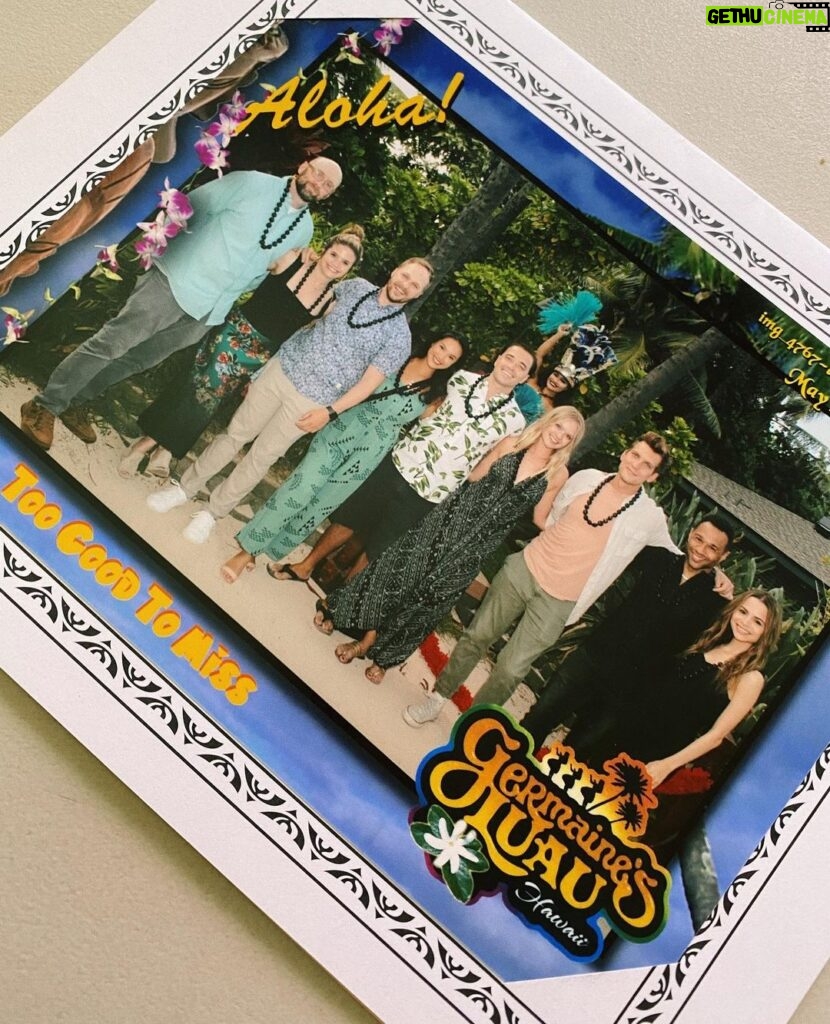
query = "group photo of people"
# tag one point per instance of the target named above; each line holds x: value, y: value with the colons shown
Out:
x: 435, y: 439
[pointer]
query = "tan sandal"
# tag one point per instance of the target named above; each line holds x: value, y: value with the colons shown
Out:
x: 347, y: 653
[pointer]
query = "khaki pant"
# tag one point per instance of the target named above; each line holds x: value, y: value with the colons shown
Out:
x: 513, y: 594
x: 268, y: 418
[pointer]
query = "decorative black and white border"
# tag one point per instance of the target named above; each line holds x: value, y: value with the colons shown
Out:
x: 400, y: 926
x: 257, y: 794
x: 665, y: 991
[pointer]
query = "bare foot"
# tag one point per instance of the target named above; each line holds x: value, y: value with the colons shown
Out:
x: 241, y: 562
x: 374, y: 673
x: 346, y: 653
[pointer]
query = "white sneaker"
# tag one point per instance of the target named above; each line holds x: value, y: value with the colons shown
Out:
x: 168, y: 497
x: 200, y: 527
x: 428, y: 710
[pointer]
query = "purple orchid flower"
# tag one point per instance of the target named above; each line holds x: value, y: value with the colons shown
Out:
x: 211, y: 153
x: 107, y: 258
x: 236, y: 109
x: 153, y: 242
x: 396, y: 25
x: 14, y: 324
x: 148, y: 251
x: 175, y: 204
x: 351, y: 42
x: 222, y: 129
x: 106, y: 263
x: 385, y: 39
x: 160, y: 229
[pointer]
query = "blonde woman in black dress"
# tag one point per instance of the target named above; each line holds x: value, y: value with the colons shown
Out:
x: 400, y: 598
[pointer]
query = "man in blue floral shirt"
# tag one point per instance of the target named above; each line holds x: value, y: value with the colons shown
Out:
x: 322, y: 370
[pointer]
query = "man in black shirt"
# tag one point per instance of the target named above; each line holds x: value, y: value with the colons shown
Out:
x: 674, y: 598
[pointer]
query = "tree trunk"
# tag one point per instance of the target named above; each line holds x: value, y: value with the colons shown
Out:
x: 468, y: 231
x: 656, y: 383
x: 697, y: 869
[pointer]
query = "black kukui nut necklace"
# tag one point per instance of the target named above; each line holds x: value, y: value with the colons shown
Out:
x: 303, y: 280
x: 273, y: 244
x: 490, y: 410
x: 613, y: 515
x: 352, y: 322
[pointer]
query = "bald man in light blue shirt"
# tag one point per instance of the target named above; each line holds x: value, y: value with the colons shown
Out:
x: 241, y: 224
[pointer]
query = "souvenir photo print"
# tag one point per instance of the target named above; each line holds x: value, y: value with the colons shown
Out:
x: 395, y: 432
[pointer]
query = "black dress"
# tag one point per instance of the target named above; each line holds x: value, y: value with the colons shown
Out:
x: 225, y: 362
x: 637, y: 641
x: 673, y: 713
x: 415, y: 582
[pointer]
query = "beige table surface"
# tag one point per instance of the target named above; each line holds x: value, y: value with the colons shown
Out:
x: 107, y: 914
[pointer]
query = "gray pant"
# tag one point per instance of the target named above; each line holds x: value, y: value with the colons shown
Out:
x: 513, y: 594
x: 269, y: 414
x: 150, y: 326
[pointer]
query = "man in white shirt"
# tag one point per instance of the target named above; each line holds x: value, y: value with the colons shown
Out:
x: 598, y: 524
x: 433, y: 459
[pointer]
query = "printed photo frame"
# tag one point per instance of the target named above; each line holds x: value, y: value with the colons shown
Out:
x: 19, y: 555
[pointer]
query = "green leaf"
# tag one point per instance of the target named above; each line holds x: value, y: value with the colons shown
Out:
x: 460, y: 883
x: 481, y: 863
x: 419, y: 831
x: 435, y: 815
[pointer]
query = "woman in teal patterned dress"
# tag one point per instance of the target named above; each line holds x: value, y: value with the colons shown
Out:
x: 341, y: 457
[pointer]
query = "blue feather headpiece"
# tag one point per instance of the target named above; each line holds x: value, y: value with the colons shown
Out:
x: 579, y: 309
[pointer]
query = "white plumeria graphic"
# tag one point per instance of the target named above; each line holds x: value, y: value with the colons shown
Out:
x: 452, y: 846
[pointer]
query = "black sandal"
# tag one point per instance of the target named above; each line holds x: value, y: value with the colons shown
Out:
x: 322, y: 622
x: 283, y: 572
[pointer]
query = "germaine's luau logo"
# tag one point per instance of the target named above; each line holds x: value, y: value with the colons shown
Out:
x: 813, y: 16
x: 556, y: 838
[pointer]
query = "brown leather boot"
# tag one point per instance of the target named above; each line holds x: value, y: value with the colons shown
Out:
x: 77, y: 420
x: 37, y: 423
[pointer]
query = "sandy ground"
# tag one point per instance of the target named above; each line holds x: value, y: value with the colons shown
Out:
x: 278, y: 614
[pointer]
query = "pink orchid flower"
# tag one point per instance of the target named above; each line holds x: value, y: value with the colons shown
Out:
x: 210, y: 153
x: 149, y: 250
x: 222, y: 129
x: 160, y: 229
x: 106, y: 263
x: 175, y: 204
x: 396, y: 25
x: 236, y: 109
x: 107, y: 258
x: 351, y: 43
x: 14, y: 324
x: 385, y: 39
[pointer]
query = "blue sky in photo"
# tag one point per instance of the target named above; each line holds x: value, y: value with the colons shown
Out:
x: 541, y: 152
